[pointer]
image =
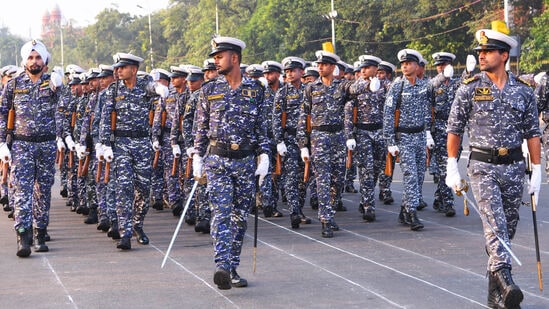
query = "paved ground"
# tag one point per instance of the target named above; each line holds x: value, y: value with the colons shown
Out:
x: 366, y: 265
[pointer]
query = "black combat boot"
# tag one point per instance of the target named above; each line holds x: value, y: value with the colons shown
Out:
x: 450, y: 211
x: 495, y: 301
x: 436, y: 204
x: 222, y: 278
x: 340, y: 207
x: 387, y: 197
x: 267, y: 211
x: 5, y: 202
x: 236, y: 281
x: 295, y: 220
x: 350, y: 188
x: 40, y: 241
x: 510, y: 292
x: 190, y: 217
x: 327, y: 230
x: 158, y: 205
x: 141, y: 236
x: 82, y: 209
x: 92, y: 217
x: 415, y: 224
x: 369, y: 214
x: 113, y: 231
x: 125, y: 243
x: 203, y: 226
x: 103, y: 225
x: 46, y: 235
x: 64, y: 192
x: 24, y: 238
x: 403, y: 217
x: 177, y: 209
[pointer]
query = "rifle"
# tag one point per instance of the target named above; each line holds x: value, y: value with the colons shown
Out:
x: 389, y: 158
x: 188, y: 168
x: 174, y: 165
x: 73, y: 124
x: 278, y: 165
x: 349, y: 151
x: 306, y: 171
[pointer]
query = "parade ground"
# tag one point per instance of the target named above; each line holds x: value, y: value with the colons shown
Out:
x: 366, y: 265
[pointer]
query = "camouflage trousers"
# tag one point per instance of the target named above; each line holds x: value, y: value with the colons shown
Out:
x: 439, y: 153
x: 231, y: 187
x: 32, y: 176
x: 132, y: 174
x: 498, y: 192
x: 412, y: 162
x: 292, y: 176
x: 328, y: 158
x: 370, y: 154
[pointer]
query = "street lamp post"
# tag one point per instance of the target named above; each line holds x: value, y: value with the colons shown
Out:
x: 332, y: 16
x: 150, y: 37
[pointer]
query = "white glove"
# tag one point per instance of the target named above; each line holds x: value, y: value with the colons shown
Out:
x: 56, y: 80
x: 281, y: 148
x: 70, y: 143
x: 453, y: 178
x: 81, y: 152
x: 161, y: 90
x: 60, y: 144
x: 351, y: 144
x: 197, y: 166
x: 393, y: 150
x: 470, y: 63
x: 107, y: 153
x: 190, y: 151
x: 430, y: 141
x: 156, y: 146
x: 448, y: 71
x: 374, y: 84
x: 535, y: 182
x: 5, y: 154
x: 99, y: 152
x: 176, y: 150
x: 304, y: 153
x: 262, y: 167
x: 525, y: 151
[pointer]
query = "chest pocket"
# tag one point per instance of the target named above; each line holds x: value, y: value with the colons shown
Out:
x: 484, y: 113
x: 514, y: 111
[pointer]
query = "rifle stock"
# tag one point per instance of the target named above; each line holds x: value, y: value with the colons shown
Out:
x: 188, y: 168
x: 99, y: 168
x: 5, y: 170
x: 86, y: 166
x: 349, y: 162
x: 306, y: 171
x: 278, y: 166
x: 107, y: 172
x: 174, y: 166
x: 61, y: 157
x: 389, y: 164
x: 156, y: 157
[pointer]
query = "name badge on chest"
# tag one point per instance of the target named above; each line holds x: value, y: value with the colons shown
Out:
x: 483, y: 94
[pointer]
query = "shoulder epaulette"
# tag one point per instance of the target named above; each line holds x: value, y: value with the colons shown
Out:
x: 524, y: 81
x: 471, y: 79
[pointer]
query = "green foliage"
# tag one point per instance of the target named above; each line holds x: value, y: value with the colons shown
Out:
x: 274, y: 29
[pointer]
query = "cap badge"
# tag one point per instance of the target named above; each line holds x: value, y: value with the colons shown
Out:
x: 483, y: 39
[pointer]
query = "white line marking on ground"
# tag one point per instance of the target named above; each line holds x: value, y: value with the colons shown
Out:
x: 373, y: 262
x: 196, y: 276
x: 47, y: 262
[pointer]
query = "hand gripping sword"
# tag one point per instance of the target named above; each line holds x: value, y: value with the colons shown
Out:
x: 179, y: 223
x: 463, y: 192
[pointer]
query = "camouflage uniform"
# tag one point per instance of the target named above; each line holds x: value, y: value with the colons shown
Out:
x: 161, y: 133
x: 542, y: 97
x: 325, y: 105
x: 159, y: 184
x: 415, y: 118
x: 226, y: 118
x: 67, y: 106
x: 131, y: 168
x: 81, y: 105
x: 371, y: 150
x: 289, y: 99
x: 444, y: 91
x: 33, y: 148
x: 200, y: 199
x: 495, y: 119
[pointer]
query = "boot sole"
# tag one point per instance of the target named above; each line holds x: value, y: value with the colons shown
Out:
x: 222, y: 279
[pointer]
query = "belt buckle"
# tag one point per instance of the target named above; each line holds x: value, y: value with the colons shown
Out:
x: 213, y: 143
x: 234, y: 146
x: 503, y: 151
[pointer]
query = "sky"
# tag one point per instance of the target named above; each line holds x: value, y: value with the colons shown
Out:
x: 27, y: 22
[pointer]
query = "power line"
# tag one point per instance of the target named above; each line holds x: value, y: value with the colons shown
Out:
x: 407, y: 40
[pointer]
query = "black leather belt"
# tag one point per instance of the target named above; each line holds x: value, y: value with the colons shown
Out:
x: 411, y: 129
x: 369, y: 126
x: 34, y: 139
x: 130, y: 133
x: 329, y: 128
x: 290, y: 131
x: 231, y: 154
x: 497, y: 155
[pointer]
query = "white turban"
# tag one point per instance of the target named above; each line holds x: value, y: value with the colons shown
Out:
x: 36, y: 45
